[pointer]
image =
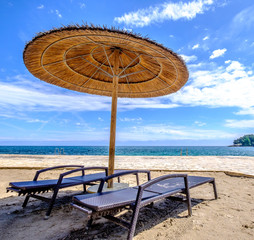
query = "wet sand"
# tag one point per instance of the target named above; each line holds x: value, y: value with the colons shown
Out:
x: 228, y: 217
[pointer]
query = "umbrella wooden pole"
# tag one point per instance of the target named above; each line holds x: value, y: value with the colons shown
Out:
x: 111, y: 162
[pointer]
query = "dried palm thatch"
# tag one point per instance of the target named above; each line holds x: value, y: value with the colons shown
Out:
x: 86, y: 58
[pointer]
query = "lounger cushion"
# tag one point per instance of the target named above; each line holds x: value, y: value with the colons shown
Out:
x: 195, y: 181
x: 109, y: 200
x: 72, y: 181
x: 176, y: 184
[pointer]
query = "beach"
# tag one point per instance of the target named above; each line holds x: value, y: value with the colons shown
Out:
x: 241, y: 165
x: 228, y: 217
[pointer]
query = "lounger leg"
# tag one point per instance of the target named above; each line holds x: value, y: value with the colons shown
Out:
x: 84, y: 188
x: 133, y: 223
x: 89, y: 223
x: 150, y: 205
x: 188, y: 202
x: 187, y: 192
x: 214, y: 189
x: 51, y: 204
x: 26, y: 201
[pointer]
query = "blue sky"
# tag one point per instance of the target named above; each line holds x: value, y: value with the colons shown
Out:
x: 214, y: 37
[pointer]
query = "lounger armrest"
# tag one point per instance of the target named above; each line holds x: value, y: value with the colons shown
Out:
x: 158, y: 179
x: 52, y: 168
x: 142, y: 187
x: 127, y: 173
x: 83, y: 169
x: 117, y: 175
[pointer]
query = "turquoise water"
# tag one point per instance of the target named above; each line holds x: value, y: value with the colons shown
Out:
x: 130, y: 150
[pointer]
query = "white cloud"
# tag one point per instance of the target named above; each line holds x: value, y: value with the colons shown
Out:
x: 40, y: 7
x: 145, y: 103
x: 20, y: 116
x: 227, y: 86
x: 165, y: 11
x: 58, y: 14
x: 246, y: 111
x: 240, y: 28
x: 23, y: 36
x: 239, y: 123
x: 100, y: 119
x: 230, y: 85
x: 36, y: 121
x: 130, y: 119
x: 169, y: 132
x: 21, y: 94
x: 81, y: 125
x: 23, y: 98
x: 156, y: 132
x: 205, y: 38
x: 188, y: 59
x: 195, y: 66
x: 200, y: 124
x: 195, y: 46
x: 244, y: 20
x: 82, y: 5
x: 218, y: 53
x: 234, y: 66
x: 127, y: 29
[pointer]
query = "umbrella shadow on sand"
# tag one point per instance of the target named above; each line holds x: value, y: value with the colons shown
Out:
x: 165, y: 211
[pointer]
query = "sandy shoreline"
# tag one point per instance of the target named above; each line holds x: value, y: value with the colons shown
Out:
x: 229, y: 217
x: 231, y: 164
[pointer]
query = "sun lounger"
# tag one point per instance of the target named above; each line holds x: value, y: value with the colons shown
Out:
x: 36, y: 187
x: 107, y: 204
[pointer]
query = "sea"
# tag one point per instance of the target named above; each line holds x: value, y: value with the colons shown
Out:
x: 130, y: 150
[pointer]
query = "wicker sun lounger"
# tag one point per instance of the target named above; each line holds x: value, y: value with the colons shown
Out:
x: 36, y: 187
x: 107, y: 204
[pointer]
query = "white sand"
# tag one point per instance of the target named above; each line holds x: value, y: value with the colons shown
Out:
x: 241, y: 165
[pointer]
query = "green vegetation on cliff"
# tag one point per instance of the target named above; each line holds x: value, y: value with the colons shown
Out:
x: 246, y: 140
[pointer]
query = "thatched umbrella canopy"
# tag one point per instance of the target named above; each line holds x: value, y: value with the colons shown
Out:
x: 105, y: 62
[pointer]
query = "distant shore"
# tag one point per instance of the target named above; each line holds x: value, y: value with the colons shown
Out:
x: 239, y: 146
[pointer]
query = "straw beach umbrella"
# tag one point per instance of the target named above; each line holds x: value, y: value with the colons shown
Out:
x: 106, y: 62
